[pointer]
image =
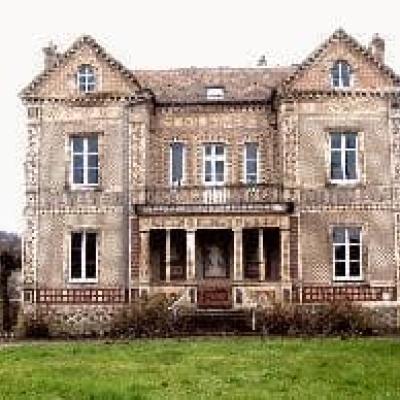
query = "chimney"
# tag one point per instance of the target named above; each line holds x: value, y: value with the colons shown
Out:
x: 50, y: 55
x: 377, y: 48
x: 262, y: 61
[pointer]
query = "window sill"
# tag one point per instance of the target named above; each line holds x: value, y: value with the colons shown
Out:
x: 345, y: 183
x: 83, y: 281
x: 347, y: 280
x: 83, y: 187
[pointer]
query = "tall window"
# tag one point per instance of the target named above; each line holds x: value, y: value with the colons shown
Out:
x: 83, y: 256
x: 343, y: 150
x: 341, y: 74
x: 177, y: 151
x: 86, y: 79
x: 347, y: 253
x: 214, y: 164
x: 251, y: 162
x: 85, y: 160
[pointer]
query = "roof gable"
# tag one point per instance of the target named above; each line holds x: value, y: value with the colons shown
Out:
x: 60, y: 80
x: 314, y: 72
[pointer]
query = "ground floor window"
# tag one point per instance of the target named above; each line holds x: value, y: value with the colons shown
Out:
x: 83, y: 256
x: 347, y: 253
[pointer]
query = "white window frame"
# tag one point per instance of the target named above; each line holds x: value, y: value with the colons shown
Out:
x: 177, y: 183
x: 214, y: 158
x: 85, y: 155
x: 341, y: 64
x: 86, y: 71
x: 257, y: 164
x: 347, y: 260
x: 83, y: 257
x: 215, y: 93
x: 343, y: 150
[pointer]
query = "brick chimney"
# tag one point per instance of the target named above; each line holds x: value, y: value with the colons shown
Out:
x: 50, y: 55
x: 377, y: 47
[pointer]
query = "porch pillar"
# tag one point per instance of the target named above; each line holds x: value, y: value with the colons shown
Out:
x: 190, y: 254
x: 144, y: 257
x: 261, y: 255
x: 168, y: 255
x: 238, y: 254
x: 285, y: 254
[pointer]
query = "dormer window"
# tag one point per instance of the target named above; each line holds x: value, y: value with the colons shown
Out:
x: 86, y: 79
x: 341, y: 74
x: 215, y: 93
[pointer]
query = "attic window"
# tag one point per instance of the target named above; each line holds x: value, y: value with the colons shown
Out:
x: 341, y: 74
x: 215, y: 93
x: 86, y: 79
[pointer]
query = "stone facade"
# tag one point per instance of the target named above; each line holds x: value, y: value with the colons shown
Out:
x: 274, y: 236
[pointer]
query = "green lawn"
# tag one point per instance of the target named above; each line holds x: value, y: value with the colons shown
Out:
x: 239, y: 368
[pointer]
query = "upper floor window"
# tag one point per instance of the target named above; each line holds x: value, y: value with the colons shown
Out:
x: 83, y: 261
x: 215, y: 93
x: 341, y: 74
x: 85, y: 160
x: 343, y: 155
x: 177, y: 151
x: 251, y: 162
x: 347, y: 253
x: 86, y: 79
x: 214, y: 164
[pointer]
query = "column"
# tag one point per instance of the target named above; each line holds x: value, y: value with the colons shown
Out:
x: 190, y: 255
x: 285, y: 254
x: 261, y: 255
x: 168, y: 255
x: 144, y: 265
x: 238, y: 254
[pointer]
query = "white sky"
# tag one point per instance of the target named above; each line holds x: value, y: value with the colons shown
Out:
x: 162, y: 34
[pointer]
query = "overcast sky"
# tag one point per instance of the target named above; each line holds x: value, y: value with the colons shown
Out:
x: 164, y: 34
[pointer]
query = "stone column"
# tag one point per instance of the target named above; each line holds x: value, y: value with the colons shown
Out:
x: 190, y: 255
x: 285, y: 255
x: 168, y: 255
x: 261, y: 255
x: 238, y: 254
x: 144, y: 265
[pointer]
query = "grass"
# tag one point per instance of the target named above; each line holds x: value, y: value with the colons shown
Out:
x: 238, y: 368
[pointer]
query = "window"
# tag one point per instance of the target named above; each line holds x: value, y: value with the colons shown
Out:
x: 85, y: 160
x: 83, y: 256
x: 347, y: 253
x: 214, y: 164
x: 341, y: 74
x: 177, y: 151
x: 215, y: 93
x: 251, y: 162
x: 343, y: 154
x: 86, y: 79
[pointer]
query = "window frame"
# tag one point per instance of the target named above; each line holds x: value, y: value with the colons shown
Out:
x: 86, y: 71
x: 245, y: 159
x: 215, y: 93
x: 213, y: 158
x: 85, y: 154
x: 343, y: 150
x: 83, y: 278
x: 341, y: 64
x: 347, y: 277
x: 183, y: 180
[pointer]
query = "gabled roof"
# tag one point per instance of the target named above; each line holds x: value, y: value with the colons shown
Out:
x: 64, y: 57
x: 341, y: 35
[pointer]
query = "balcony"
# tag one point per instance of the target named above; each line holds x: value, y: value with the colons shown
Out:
x: 206, y: 199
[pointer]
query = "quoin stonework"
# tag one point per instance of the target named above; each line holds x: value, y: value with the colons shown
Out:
x: 227, y: 187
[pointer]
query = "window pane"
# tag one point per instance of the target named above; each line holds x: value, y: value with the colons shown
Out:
x: 251, y: 151
x: 177, y: 162
x: 77, y: 145
x: 92, y: 144
x: 355, y: 253
x: 93, y: 175
x: 208, y: 150
x: 355, y: 269
x: 251, y: 178
x: 78, y: 175
x: 339, y: 235
x: 93, y: 161
x: 78, y: 161
x: 336, y: 165
x: 340, y: 268
x: 354, y: 235
x: 208, y: 167
x: 251, y: 167
x: 219, y: 150
x: 351, y: 139
x: 336, y: 140
x: 345, y: 75
x: 351, y: 165
x: 219, y: 167
x: 340, y: 253
x: 91, y: 255
x: 76, y: 260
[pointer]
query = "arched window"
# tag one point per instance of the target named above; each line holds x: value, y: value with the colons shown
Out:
x: 341, y: 74
x: 86, y: 79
